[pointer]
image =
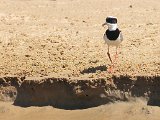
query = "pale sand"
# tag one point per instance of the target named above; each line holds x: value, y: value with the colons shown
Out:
x: 136, y: 110
x: 64, y: 37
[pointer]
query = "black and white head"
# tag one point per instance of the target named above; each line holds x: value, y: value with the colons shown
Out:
x: 111, y: 22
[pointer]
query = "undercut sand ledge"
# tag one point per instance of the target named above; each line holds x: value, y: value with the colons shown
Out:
x: 69, y: 93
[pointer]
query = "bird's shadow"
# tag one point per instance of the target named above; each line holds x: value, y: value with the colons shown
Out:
x: 94, y: 69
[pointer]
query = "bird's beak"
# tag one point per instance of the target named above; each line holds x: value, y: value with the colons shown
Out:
x: 104, y: 24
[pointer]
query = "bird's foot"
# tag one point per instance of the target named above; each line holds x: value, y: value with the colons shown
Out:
x: 111, y: 69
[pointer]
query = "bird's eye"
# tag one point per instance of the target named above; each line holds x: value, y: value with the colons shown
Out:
x: 114, y: 21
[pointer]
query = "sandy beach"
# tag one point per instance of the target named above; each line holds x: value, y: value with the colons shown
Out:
x: 64, y: 38
x: 117, y: 111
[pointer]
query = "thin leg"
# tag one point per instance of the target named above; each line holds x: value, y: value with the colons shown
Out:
x: 116, y: 55
x: 110, y: 69
x: 109, y: 55
x: 116, y: 50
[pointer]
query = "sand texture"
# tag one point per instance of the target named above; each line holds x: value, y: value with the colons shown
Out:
x: 65, y: 99
x: 63, y: 41
x: 117, y: 111
x: 65, y: 37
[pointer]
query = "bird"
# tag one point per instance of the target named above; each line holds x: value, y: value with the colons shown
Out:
x: 112, y: 36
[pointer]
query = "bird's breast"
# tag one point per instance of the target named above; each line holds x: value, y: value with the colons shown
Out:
x: 112, y: 35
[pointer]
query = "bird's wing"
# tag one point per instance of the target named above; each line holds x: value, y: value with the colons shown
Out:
x: 121, y: 36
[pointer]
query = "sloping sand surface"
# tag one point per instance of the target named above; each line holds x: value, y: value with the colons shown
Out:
x: 117, y: 111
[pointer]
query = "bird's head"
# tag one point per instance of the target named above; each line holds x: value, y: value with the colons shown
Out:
x: 111, y: 22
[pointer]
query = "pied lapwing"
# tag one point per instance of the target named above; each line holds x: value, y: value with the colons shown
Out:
x: 113, y: 36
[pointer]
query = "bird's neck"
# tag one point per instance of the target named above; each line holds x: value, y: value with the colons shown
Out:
x: 112, y: 27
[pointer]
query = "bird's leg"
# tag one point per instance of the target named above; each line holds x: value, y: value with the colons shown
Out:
x: 109, y: 55
x: 110, y: 69
x: 116, y: 55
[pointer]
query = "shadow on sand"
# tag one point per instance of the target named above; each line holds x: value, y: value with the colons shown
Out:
x: 94, y: 69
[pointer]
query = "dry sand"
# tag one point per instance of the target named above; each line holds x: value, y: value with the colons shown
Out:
x: 118, y: 111
x: 64, y: 38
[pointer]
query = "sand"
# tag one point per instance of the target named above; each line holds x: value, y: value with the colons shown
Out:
x: 64, y: 38
x: 118, y: 111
